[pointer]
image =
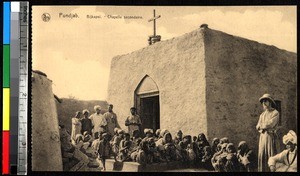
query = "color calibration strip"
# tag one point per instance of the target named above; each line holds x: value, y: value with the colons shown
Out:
x: 14, y: 82
x: 15, y: 87
x: 6, y: 89
x: 22, y: 74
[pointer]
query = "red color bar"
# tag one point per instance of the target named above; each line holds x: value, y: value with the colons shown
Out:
x: 5, y: 152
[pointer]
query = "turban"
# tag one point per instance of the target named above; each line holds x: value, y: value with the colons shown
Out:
x: 224, y: 140
x: 216, y: 140
x: 116, y: 130
x: 230, y: 146
x: 242, y: 145
x: 97, y: 107
x: 147, y: 130
x: 84, y: 111
x: 78, y: 113
x: 291, y: 136
x: 163, y: 132
x: 120, y: 131
x: 158, y: 132
x: 104, y: 135
x: 224, y: 145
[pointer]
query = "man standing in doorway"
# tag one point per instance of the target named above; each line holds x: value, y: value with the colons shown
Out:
x: 266, y: 126
x: 133, y: 121
x: 98, y: 121
x: 112, y: 121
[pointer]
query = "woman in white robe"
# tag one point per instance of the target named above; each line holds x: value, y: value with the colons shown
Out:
x: 266, y: 126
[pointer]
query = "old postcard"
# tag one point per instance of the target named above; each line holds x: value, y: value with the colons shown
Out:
x: 164, y: 88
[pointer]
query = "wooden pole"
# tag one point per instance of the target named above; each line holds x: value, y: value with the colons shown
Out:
x: 154, y: 23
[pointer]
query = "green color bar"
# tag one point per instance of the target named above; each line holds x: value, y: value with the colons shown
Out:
x: 6, y: 66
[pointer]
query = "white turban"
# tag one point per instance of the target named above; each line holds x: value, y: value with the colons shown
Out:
x: 147, y: 130
x: 97, y: 107
x: 116, y: 130
x: 120, y: 131
x: 163, y: 132
x: 84, y: 111
x: 291, y: 136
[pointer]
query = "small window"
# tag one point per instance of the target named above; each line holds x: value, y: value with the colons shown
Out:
x: 278, y: 108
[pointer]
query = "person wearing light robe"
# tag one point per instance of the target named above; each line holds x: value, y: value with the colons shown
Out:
x: 133, y: 121
x: 76, y: 127
x: 286, y: 161
x: 266, y: 126
x: 111, y: 120
x: 98, y: 121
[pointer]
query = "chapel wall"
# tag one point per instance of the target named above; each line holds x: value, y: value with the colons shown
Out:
x: 177, y: 67
x: 239, y: 72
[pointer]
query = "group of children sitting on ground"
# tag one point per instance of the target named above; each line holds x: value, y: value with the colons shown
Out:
x: 220, y: 155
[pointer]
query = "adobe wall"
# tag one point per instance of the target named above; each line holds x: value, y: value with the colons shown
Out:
x: 239, y: 72
x: 46, y: 146
x: 177, y: 67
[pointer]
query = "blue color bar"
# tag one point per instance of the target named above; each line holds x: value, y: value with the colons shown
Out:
x: 6, y: 23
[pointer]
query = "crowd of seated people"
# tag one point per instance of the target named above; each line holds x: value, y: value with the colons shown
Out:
x: 158, y: 147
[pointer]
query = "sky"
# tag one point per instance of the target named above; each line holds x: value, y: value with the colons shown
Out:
x: 75, y: 53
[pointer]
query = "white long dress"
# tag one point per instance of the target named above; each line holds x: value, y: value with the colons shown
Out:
x: 76, y: 129
x: 268, y: 120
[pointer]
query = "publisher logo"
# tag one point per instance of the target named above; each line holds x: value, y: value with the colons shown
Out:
x: 46, y: 17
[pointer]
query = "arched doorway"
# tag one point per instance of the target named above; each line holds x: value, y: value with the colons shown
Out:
x: 147, y: 103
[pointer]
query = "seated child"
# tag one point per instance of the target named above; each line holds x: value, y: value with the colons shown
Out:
x: 232, y: 163
x: 87, y: 140
x: 184, y: 146
x: 115, y: 144
x: 219, y: 159
x: 157, y: 135
x: 135, y: 137
x: 95, y: 143
x: 190, y: 153
x: 169, y: 148
x: 201, y: 142
x: 215, y: 157
x: 214, y: 145
x: 87, y: 137
x: 196, y: 149
x: 141, y: 156
x: 177, y: 150
x: 245, y: 157
x: 114, y: 136
x: 135, y: 149
x: 206, y: 158
x: 179, y: 135
x: 78, y: 141
x: 148, y: 133
x: 125, y: 148
x: 153, y: 154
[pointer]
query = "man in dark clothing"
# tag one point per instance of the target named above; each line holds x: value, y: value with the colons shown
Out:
x: 86, y: 122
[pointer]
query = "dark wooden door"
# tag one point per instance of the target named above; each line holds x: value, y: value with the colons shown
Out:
x: 150, y: 112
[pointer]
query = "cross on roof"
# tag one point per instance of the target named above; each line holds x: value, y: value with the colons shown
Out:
x: 154, y: 22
